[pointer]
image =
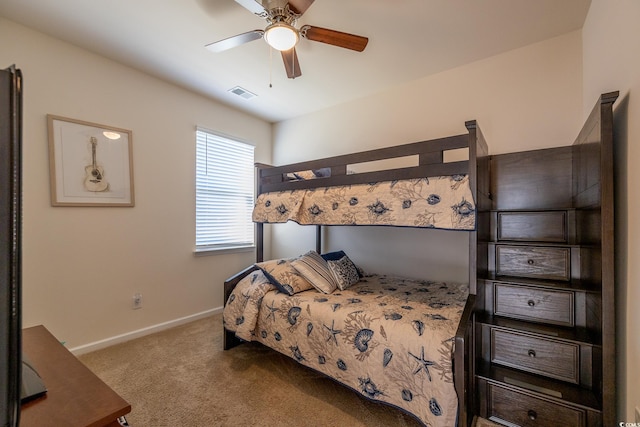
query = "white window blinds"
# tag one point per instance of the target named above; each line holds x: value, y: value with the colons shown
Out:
x: 224, y: 192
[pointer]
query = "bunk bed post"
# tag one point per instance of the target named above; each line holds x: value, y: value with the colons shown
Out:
x: 259, y: 242
x: 608, y: 259
x: 472, y: 127
x: 259, y: 226
x: 593, y: 162
x: 479, y: 182
x: 463, y: 357
x: 319, y: 239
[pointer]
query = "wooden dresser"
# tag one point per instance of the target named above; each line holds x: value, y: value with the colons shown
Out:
x: 544, y: 329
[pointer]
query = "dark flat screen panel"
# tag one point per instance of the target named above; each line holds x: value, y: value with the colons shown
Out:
x: 10, y: 198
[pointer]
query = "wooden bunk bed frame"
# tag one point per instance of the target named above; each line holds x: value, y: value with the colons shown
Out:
x: 431, y: 162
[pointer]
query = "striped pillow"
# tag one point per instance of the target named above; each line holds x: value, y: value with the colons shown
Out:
x: 316, y: 270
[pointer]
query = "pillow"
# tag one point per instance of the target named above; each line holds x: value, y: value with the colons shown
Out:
x: 281, y: 273
x: 333, y: 256
x: 316, y: 270
x: 337, y: 255
x: 343, y: 269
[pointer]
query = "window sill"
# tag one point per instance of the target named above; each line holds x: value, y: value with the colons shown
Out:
x: 221, y: 251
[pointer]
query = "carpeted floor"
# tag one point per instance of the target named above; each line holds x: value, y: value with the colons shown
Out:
x: 182, y: 377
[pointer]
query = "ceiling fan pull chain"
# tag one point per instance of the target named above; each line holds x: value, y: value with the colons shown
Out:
x: 270, y: 66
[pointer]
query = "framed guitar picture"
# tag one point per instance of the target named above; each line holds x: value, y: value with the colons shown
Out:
x: 90, y: 164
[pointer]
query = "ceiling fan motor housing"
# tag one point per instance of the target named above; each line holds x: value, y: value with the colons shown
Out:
x: 281, y: 14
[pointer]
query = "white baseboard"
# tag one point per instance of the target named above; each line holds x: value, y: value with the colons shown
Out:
x: 107, y: 342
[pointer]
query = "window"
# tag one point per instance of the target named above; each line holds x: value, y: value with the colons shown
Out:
x: 224, y: 192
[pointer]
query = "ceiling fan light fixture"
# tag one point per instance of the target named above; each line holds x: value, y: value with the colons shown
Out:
x: 281, y: 36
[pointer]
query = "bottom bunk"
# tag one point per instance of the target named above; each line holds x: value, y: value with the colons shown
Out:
x: 391, y: 339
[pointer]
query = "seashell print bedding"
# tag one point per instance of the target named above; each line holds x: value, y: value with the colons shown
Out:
x: 443, y: 202
x: 390, y: 339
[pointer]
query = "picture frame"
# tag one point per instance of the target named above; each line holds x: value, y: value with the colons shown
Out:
x: 90, y: 164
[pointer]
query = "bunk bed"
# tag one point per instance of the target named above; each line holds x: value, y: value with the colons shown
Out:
x: 401, y: 341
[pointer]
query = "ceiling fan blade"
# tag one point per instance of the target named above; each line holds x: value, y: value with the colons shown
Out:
x: 290, y: 59
x: 299, y: 6
x: 234, y: 41
x: 253, y: 6
x: 335, y: 38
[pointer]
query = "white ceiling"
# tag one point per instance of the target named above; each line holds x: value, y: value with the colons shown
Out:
x: 408, y: 40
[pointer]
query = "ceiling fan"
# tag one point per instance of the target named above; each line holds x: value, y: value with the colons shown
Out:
x: 282, y: 34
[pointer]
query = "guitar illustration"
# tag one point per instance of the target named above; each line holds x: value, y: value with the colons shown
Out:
x: 94, y: 180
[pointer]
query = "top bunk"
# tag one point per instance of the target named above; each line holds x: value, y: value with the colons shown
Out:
x: 442, y: 188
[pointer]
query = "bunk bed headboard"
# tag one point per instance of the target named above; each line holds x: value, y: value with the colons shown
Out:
x: 433, y: 160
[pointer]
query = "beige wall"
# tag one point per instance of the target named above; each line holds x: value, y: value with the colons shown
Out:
x: 611, y: 62
x: 82, y: 265
x: 523, y: 99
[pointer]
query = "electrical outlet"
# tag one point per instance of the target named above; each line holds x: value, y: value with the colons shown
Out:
x: 637, y: 415
x: 137, y: 301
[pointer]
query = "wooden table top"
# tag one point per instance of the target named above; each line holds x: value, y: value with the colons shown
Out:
x: 76, y: 397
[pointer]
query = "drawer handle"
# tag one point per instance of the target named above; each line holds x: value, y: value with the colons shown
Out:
x: 530, y: 262
x: 532, y: 415
x: 531, y: 353
x: 531, y: 303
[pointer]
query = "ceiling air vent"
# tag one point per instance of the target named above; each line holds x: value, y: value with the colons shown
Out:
x: 243, y: 93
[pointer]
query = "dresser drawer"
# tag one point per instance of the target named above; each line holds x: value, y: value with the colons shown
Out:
x: 552, y: 358
x: 534, y: 262
x: 526, y: 410
x: 533, y: 226
x: 531, y: 303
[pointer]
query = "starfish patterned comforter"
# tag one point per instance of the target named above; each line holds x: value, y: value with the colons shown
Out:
x: 391, y: 339
x: 443, y: 202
